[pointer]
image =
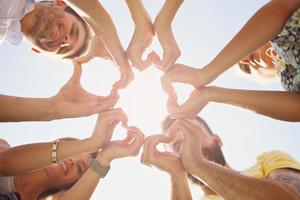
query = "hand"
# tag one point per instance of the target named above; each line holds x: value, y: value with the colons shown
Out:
x: 73, y: 101
x: 105, y: 125
x: 190, y: 150
x: 166, y: 38
x: 126, y: 76
x: 197, y: 101
x: 97, y: 49
x: 140, y: 41
x: 130, y: 146
x: 184, y: 74
x: 165, y: 161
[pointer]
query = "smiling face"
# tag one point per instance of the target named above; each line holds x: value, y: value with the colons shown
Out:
x: 258, y: 60
x: 68, y: 170
x: 51, y: 28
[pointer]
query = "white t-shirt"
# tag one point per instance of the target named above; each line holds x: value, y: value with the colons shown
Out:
x: 11, y: 12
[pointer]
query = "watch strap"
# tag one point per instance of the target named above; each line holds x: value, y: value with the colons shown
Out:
x: 97, y: 167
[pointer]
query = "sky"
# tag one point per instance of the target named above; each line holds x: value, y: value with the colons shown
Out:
x: 201, y: 28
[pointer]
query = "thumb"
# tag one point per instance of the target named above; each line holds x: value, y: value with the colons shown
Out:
x: 84, y: 59
x: 77, y: 70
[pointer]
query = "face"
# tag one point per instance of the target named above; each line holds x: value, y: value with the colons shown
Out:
x: 52, y: 29
x: 259, y: 59
x: 69, y: 170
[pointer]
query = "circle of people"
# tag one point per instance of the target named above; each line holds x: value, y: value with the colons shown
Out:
x: 267, y: 46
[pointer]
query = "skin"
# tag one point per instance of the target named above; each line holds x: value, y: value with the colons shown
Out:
x: 105, y: 35
x: 163, y: 29
x: 51, y: 29
x: 30, y: 185
x: 142, y: 36
x: 130, y: 146
x: 284, y: 105
x: 12, y: 157
x: 71, y: 101
x: 226, y: 182
x: 244, y: 46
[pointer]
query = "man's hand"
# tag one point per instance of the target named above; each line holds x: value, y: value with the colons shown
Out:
x: 190, y: 150
x: 105, y: 125
x: 140, y: 41
x: 130, y: 146
x: 165, y: 161
x: 197, y: 101
x: 73, y: 101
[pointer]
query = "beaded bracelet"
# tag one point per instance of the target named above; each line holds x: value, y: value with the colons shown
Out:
x: 54, y: 151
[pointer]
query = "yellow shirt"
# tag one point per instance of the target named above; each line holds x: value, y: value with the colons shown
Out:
x: 266, y: 163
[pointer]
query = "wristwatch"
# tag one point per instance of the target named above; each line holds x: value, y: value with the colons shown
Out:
x: 97, y: 167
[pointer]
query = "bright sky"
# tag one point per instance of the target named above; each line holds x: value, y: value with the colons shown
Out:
x: 201, y: 28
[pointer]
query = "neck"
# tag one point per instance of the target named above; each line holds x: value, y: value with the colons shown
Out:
x: 32, y: 184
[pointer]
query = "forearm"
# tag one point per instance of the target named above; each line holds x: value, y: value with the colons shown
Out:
x: 262, y: 27
x: 28, y: 157
x: 101, y: 23
x: 276, y: 104
x: 14, y: 109
x: 180, y: 188
x: 84, y: 187
x: 138, y: 12
x: 168, y: 12
x: 231, y: 185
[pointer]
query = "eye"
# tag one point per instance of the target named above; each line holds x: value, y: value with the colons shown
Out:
x: 79, y: 169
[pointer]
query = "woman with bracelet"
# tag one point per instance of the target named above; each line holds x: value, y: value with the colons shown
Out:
x: 70, y: 178
x: 16, y: 160
x: 277, y: 23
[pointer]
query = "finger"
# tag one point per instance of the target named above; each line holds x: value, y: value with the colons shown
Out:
x: 77, y: 70
x: 115, y: 114
x: 153, y: 141
x: 136, y: 144
x: 166, y: 85
x: 137, y: 60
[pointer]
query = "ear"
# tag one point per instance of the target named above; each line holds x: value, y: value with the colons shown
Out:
x: 60, y: 4
x: 35, y: 50
x: 218, y: 140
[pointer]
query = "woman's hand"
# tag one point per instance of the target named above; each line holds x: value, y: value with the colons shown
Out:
x: 130, y: 146
x: 105, y: 125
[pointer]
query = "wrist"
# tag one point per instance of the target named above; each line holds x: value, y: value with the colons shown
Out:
x: 103, y: 159
x: 54, y: 109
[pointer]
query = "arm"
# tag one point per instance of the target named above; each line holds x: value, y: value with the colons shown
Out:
x: 262, y: 27
x: 71, y: 101
x: 276, y: 104
x: 100, y: 21
x: 231, y: 185
x: 15, y: 109
x: 142, y: 36
x: 168, y: 162
x: 19, y: 159
x: 224, y: 181
x: 166, y: 38
x: 85, y: 186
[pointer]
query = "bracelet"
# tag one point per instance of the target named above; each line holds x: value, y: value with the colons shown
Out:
x: 54, y: 151
x: 97, y: 167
